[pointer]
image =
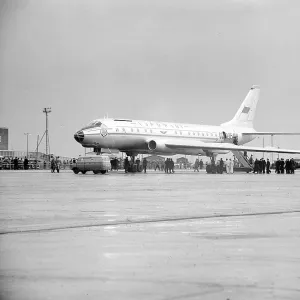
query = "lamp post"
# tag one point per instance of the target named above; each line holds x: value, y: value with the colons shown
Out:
x: 46, y: 111
x: 27, y: 134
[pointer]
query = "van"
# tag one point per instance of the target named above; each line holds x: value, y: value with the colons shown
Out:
x: 97, y: 164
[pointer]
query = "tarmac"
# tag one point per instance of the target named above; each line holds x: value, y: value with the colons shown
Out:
x: 149, y: 236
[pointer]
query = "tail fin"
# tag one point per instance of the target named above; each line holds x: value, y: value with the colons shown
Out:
x: 245, y: 115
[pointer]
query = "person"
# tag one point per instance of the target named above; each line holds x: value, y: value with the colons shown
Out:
x: 201, y: 164
x: 145, y: 164
x: 65, y: 163
x: 251, y: 160
x: 53, y: 164
x: 166, y: 165
x: 16, y: 163
x: 57, y: 164
x: 156, y: 166
x: 255, y: 169
x: 263, y: 166
x: 277, y: 166
x: 25, y: 163
x: 282, y: 166
x: 138, y: 162
x: 126, y: 164
x: 287, y: 166
x: 260, y: 166
x: 227, y: 166
x: 292, y: 166
x: 196, y: 166
x: 268, y: 166
x: 171, y: 165
x: 231, y: 166
x: 221, y: 166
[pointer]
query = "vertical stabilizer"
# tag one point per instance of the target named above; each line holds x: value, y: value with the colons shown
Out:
x: 245, y: 115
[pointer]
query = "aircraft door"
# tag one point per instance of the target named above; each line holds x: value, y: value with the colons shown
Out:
x: 222, y: 136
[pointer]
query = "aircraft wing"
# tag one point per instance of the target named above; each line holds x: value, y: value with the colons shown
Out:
x: 225, y: 146
x: 270, y: 133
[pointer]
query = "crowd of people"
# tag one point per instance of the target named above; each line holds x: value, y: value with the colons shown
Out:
x: 20, y: 163
x: 289, y: 166
x: 262, y: 166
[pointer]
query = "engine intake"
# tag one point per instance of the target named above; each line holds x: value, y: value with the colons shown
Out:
x: 152, y: 145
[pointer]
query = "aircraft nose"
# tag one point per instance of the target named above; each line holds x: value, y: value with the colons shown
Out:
x: 79, y: 136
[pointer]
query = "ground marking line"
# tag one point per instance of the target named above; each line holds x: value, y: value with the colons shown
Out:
x: 133, y: 222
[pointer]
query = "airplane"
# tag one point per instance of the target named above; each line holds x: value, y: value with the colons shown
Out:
x: 167, y: 138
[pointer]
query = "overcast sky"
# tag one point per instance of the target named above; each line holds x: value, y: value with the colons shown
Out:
x: 167, y: 60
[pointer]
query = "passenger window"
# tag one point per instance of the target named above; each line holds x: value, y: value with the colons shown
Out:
x: 123, y: 129
x: 137, y: 130
x: 117, y: 129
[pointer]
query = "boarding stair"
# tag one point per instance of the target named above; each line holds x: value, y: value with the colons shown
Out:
x: 243, y: 160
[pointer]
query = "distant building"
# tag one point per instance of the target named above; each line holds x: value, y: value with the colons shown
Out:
x: 154, y: 160
x: 183, y: 163
x: 3, y: 138
x: 182, y: 160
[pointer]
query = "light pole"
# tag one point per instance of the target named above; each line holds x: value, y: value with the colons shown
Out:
x: 47, y: 110
x: 27, y: 134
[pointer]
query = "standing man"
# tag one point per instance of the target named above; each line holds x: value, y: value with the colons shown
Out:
x: 292, y: 166
x: 277, y: 166
x: 171, y: 165
x: 227, y: 166
x: 138, y: 162
x: 57, y: 164
x: 263, y: 166
x: 126, y: 164
x: 231, y: 164
x: 53, y: 164
x: 201, y: 164
x: 25, y: 163
x: 166, y: 165
x: 16, y: 164
x: 145, y: 164
x: 268, y: 166
x: 221, y: 166
x: 282, y: 166
x: 196, y: 166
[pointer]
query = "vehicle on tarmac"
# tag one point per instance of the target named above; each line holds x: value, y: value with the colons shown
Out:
x: 97, y: 164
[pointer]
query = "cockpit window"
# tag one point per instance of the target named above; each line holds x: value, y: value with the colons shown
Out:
x: 92, y: 125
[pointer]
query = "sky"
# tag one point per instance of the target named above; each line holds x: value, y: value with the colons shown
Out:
x: 185, y: 61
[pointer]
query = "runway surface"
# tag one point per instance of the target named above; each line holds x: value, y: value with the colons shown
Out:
x: 149, y: 236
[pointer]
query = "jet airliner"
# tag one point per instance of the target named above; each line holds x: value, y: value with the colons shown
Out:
x: 166, y: 138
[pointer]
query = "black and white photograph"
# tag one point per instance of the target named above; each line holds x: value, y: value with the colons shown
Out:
x: 149, y: 150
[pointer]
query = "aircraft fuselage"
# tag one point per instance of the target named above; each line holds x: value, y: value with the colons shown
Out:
x: 135, y: 136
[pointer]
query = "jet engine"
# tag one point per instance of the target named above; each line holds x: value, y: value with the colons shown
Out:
x: 157, y: 146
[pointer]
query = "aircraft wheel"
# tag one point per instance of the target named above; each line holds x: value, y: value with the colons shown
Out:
x: 103, y: 171
x: 75, y: 170
x: 83, y: 172
x: 95, y: 172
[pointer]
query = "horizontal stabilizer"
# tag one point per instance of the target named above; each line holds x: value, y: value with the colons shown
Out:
x: 271, y: 133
